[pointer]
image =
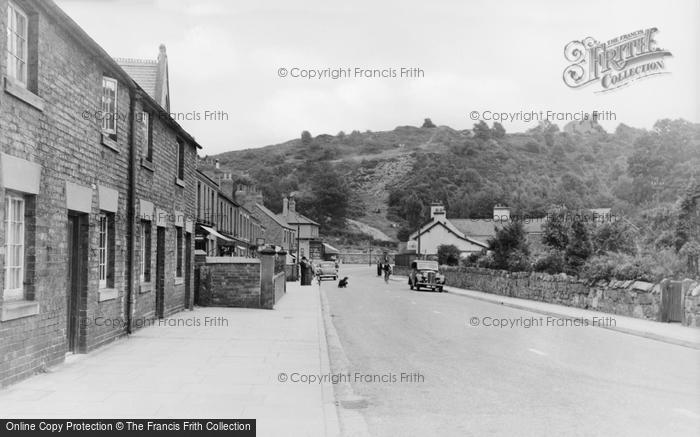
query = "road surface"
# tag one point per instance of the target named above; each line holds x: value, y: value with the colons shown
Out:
x: 461, y: 380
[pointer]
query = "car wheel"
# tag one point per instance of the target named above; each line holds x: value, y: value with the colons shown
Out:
x: 439, y: 289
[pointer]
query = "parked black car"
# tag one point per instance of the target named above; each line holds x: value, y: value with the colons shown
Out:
x: 425, y: 274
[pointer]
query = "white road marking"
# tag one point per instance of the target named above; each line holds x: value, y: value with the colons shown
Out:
x: 413, y: 302
x: 437, y: 312
x: 537, y: 352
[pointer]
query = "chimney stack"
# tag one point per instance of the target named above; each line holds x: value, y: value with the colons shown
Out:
x: 248, y: 196
x: 285, y: 206
x: 292, y: 205
x: 216, y: 164
x: 501, y: 213
x: 437, y: 212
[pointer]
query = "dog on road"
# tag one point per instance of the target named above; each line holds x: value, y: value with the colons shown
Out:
x: 343, y: 283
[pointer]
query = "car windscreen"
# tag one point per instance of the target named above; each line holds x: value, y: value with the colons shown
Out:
x: 429, y: 265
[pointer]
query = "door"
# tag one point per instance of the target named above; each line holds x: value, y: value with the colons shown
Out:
x: 672, y: 302
x: 188, y: 261
x: 160, y: 272
x: 77, y: 238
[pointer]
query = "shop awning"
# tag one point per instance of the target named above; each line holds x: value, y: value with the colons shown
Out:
x: 328, y: 249
x: 213, y: 232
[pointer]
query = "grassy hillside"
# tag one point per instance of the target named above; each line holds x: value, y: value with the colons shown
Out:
x: 392, y: 176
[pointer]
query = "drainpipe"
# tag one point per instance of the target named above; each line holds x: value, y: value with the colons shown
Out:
x: 131, y: 212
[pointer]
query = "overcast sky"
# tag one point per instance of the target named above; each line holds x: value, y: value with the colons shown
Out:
x: 477, y: 55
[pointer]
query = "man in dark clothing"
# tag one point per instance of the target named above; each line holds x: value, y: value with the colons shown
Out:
x: 379, y: 268
x: 306, y: 271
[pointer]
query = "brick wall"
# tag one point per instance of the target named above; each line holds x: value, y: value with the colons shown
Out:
x: 230, y: 282
x: 68, y: 148
x: 65, y: 139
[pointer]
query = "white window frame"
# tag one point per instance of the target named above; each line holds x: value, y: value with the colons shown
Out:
x: 142, y: 249
x: 12, y: 228
x: 103, y: 249
x: 109, y: 112
x: 12, y: 35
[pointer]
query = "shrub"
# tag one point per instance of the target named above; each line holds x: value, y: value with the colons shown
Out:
x: 579, y: 248
x: 472, y: 259
x: 552, y: 262
x: 518, y: 261
x: 601, y: 266
x: 613, y: 237
x: 509, y: 247
x: 448, y: 254
x: 486, y: 262
x: 650, y: 267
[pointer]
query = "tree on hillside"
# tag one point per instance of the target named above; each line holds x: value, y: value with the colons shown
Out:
x: 326, y: 200
x: 509, y: 248
x: 413, y: 211
x: 448, y: 254
x: 482, y: 131
x: 306, y: 138
x: 427, y: 123
x: 498, y: 130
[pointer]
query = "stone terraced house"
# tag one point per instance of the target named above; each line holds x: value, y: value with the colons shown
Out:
x: 96, y: 224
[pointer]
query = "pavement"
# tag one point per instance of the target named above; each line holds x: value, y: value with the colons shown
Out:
x: 229, y: 369
x: 423, y: 363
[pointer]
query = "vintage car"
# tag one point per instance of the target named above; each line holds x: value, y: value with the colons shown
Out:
x: 425, y: 274
x: 327, y: 270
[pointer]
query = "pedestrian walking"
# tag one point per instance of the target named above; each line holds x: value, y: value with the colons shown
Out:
x: 386, y: 268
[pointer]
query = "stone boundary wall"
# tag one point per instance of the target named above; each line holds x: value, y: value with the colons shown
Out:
x: 627, y: 298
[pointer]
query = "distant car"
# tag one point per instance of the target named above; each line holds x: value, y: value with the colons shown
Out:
x: 425, y: 274
x: 327, y: 270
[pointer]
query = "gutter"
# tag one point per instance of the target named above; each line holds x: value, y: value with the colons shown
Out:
x: 131, y: 213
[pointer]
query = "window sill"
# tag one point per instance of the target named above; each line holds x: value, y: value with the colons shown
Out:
x: 179, y: 281
x: 18, y: 309
x: 145, y: 287
x: 110, y: 143
x: 107, y: 294
x: 23, y: 94
x: 148, y: 165
x: 180, y: 182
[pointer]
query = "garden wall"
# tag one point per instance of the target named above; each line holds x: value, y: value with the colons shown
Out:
x: 628, y: 298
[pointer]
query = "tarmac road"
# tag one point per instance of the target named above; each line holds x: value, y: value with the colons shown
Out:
x: 464, y: 376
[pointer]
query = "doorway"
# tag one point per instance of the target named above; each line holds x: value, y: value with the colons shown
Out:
x: 77, y: 231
